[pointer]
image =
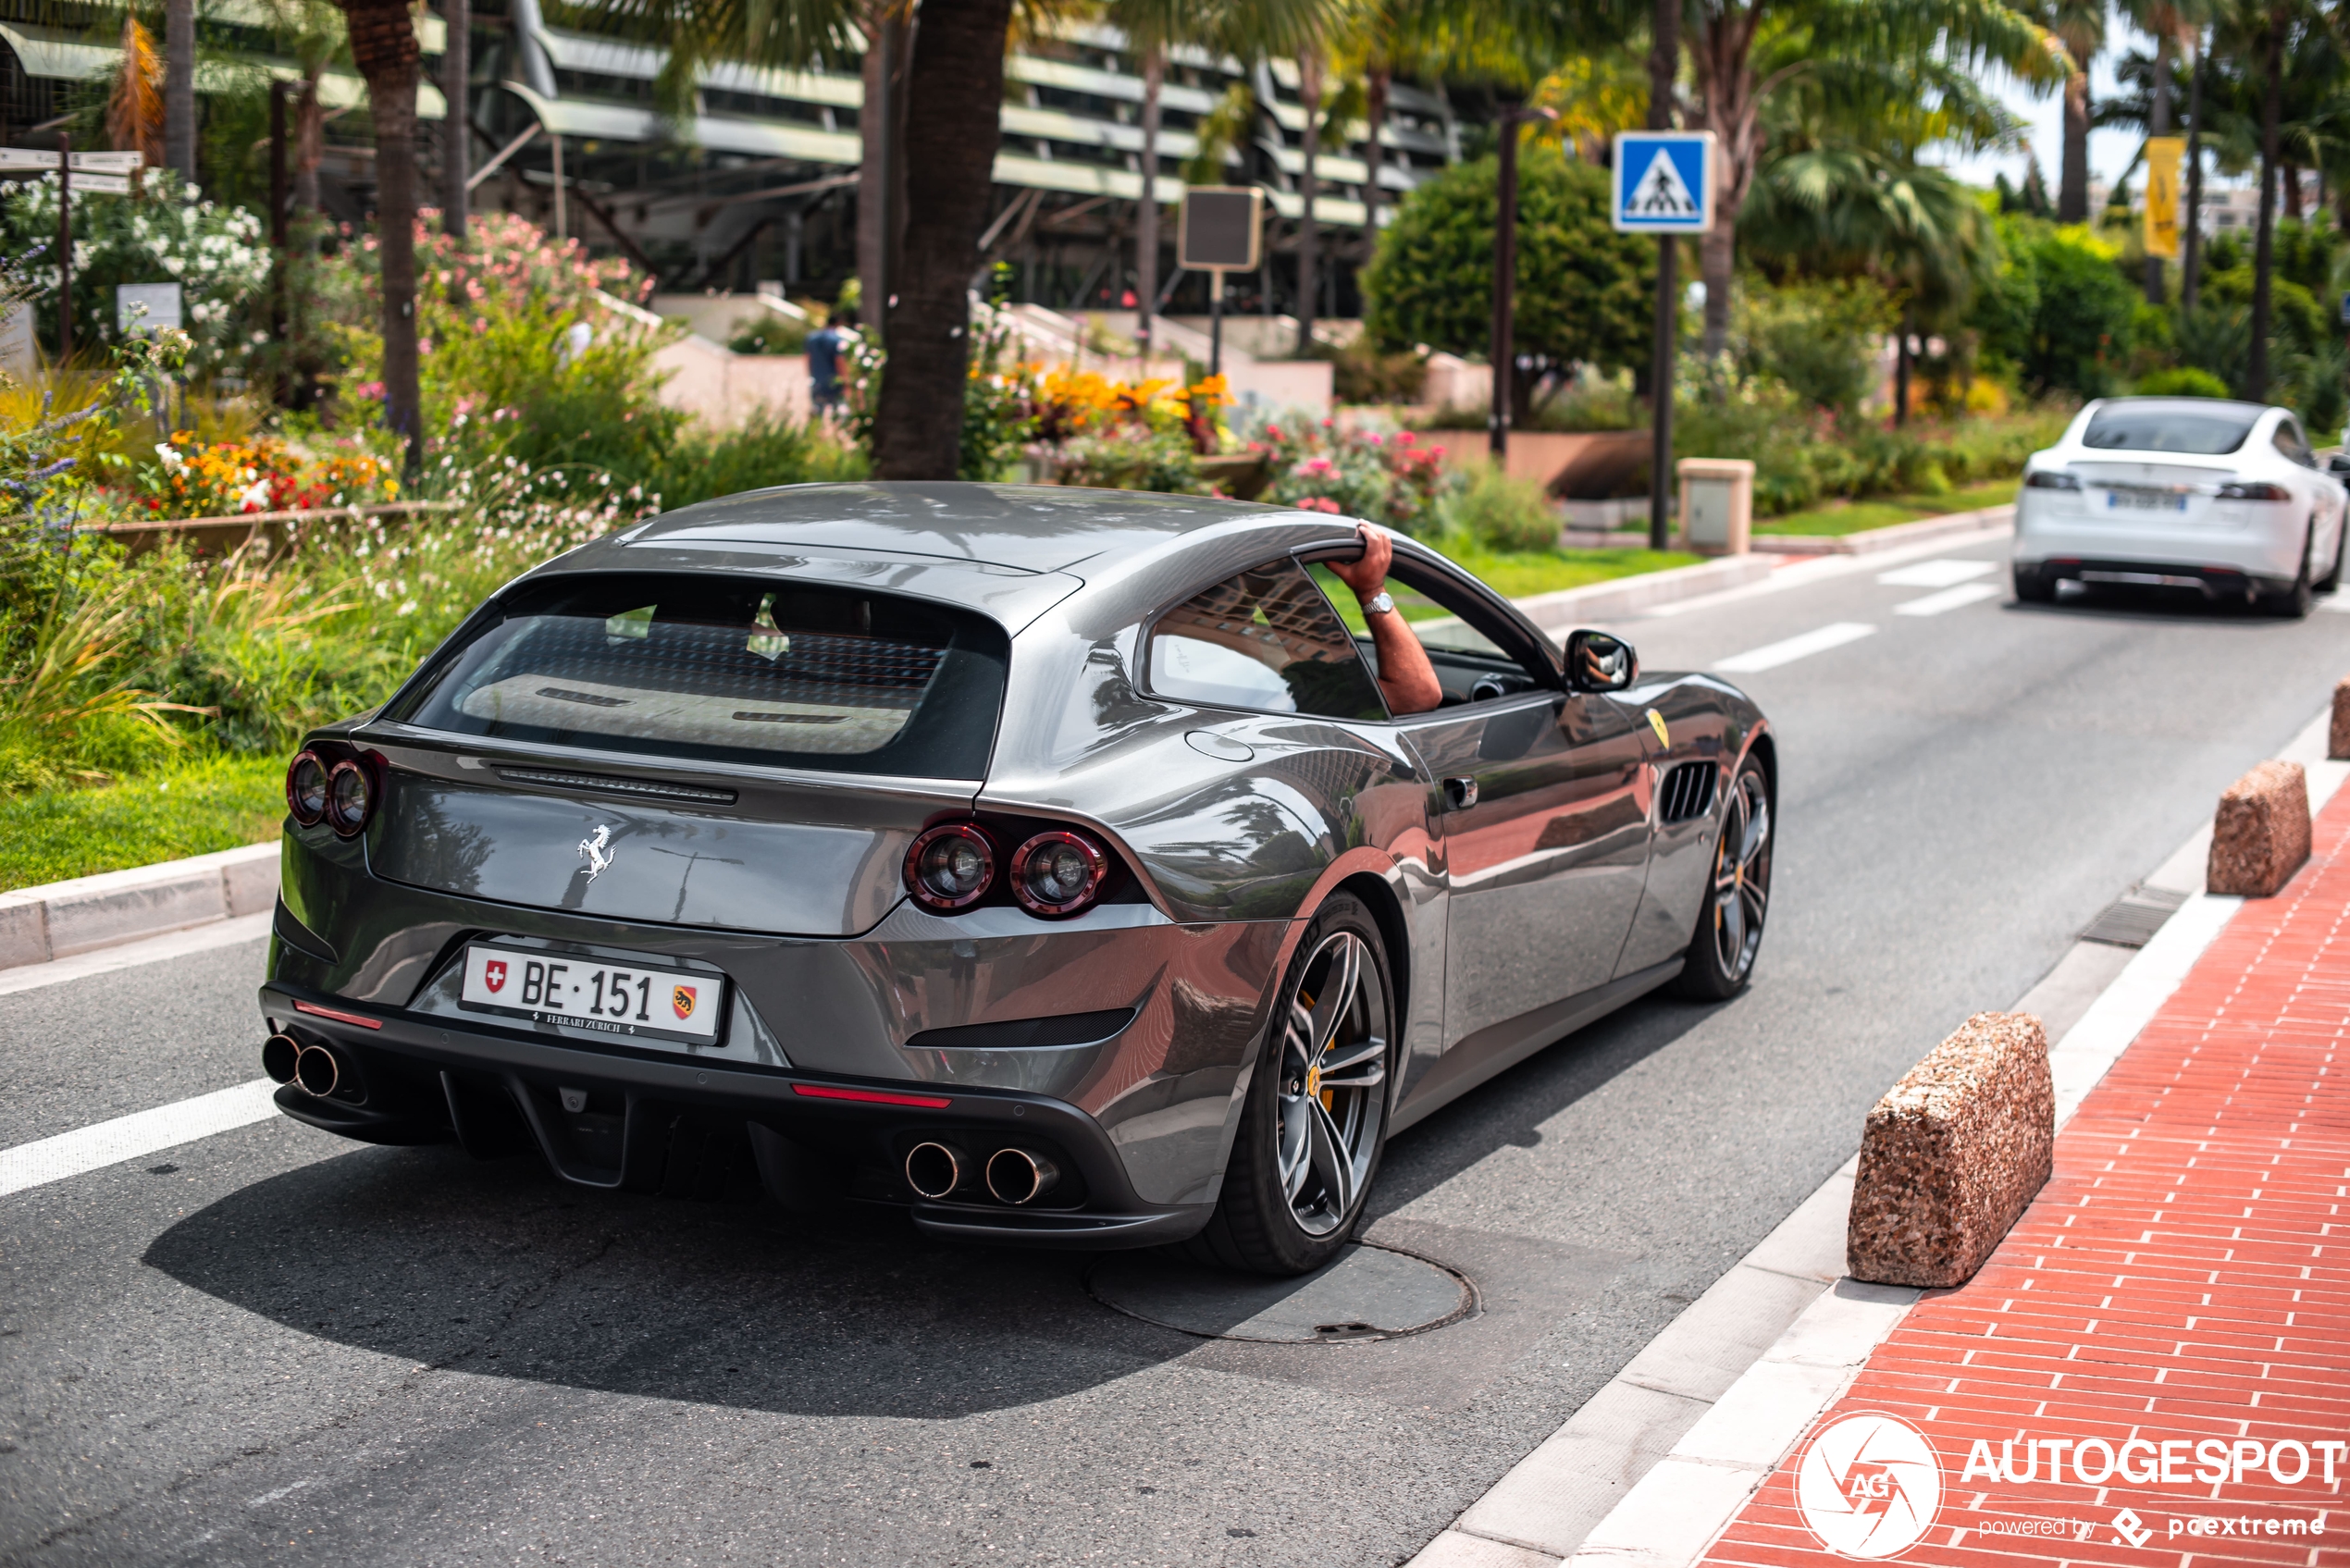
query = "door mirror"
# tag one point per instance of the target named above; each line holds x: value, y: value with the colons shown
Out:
x: 1596, y: 661
x: 2338, y: 464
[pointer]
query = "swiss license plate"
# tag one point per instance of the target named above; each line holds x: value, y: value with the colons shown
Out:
x: 2144, y: 501
x: 622, y: 999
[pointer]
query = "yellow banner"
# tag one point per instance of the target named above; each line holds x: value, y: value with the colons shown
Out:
x: 2163, y: 154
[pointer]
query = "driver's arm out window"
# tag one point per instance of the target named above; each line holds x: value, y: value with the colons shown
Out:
x: 1266, y: 639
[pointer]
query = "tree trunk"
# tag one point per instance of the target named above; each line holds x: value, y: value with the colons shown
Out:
x: 2072, y: 184
x: 1374, y: 91
x: 2159, y: 124
x: 881, y: 174
x: 2191, y: 247
x: 1901, y: 373
x: 1309, y: 98
x: 179, y: 87
x: 310, y: 144
x: 1723, y: 54
x: 383, y: 45
x: 456, y: 146
x: 1146, y: 216
x: 2264, y: 247
x: 2290, y: 179
x: 958, y: 76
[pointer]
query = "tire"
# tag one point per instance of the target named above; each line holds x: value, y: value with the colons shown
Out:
x: 2033, y: 585
x: 1729, y: 928
x: 1311, y: 1131
x: 2295, y: 602
x: 2332, y: 579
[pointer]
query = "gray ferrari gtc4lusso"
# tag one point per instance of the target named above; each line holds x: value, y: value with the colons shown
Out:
x: 1045, y: 860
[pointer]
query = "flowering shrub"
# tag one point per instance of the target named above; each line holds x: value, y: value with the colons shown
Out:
x: 1129, y: 455
x: 192, y: 478
x: 1390, y: 477
x: 218, y: 254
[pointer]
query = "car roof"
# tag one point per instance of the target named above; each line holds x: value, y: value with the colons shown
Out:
x: 1027, y: 528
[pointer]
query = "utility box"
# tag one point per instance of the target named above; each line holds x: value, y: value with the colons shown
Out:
x: 1717, y: 504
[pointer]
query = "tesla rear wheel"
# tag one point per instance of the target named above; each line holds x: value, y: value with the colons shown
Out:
x: 2297, y: 600
x: 1730, y: 927
x: 2332, y: 579
x: 1315, y: 1122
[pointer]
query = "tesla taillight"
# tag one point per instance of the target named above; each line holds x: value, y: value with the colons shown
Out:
x: 350, y: 798
x: 2049, y: 479
x: 2253, y: 490
x: 951, y: 866
x: 307, y: 789
x: 1058, y: 873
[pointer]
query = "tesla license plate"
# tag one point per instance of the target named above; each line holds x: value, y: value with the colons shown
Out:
x: 2146, y: 500
x: 589, y: 993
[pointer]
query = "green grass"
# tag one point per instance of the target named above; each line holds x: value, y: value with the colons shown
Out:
x: 219, y: 803
x: 1859, y: 516
x: 1515, y: 574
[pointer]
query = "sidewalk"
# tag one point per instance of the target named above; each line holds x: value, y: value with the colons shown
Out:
x: 2175, y: 1301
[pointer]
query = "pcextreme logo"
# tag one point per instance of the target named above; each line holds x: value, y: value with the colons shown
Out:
x: 1870, y: 1487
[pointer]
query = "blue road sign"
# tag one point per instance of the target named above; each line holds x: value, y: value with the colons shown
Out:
x: 1664, y: 181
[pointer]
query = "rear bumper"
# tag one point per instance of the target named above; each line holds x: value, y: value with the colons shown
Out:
x: 2214, y: 582
x: 2259, y: 546
x: 418, y: 1078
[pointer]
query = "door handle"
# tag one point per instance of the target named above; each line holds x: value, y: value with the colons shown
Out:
x: 1460, y: 794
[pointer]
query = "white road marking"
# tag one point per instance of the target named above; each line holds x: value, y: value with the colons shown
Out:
x: 2338, y: 603
x: 1941, y: 573
x: 127, y: 1138
x: 148, y: 950
x: 1772, y: 655
x: 1949, y: 599
x: 1827, y: 568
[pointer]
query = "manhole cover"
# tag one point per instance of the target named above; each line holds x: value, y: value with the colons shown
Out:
x: 1365, y: 1293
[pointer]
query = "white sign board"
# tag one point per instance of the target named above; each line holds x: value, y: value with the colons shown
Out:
x: 1663, y: 182
x: 144, y: 307
x: 36, y: 160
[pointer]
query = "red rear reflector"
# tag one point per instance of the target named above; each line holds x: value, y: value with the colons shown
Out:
x: 869, y: 1096
x: 339, y: 1018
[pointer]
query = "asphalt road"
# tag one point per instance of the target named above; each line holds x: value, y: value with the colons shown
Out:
x: 274, y: 1346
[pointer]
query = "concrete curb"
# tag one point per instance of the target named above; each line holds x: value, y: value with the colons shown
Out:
x: 1871, y: 540
x: 1570, y: 608
x: 1655, y: 1465
x: 61, y: 919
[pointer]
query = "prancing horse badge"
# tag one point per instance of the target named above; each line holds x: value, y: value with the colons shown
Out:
x: 596, y: 850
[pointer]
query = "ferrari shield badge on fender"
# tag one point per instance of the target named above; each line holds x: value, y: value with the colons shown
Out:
x: 1664, y: 735
x: 681, y: 998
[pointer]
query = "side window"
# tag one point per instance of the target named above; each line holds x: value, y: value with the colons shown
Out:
x: 1266, y: 639
x: 2291, y: 442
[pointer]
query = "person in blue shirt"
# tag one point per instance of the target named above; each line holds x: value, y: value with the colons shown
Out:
x: 825, y: 346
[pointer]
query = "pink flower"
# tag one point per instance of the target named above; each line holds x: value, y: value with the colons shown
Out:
x: 369, y: 389
x: 1317, y: 503
x: 1404, y: 439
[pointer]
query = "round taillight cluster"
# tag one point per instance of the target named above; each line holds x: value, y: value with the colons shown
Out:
x: 342, y: 795
x: 1052, y: 875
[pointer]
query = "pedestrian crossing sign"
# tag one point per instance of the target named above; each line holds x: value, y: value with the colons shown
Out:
x: 1663, y: 182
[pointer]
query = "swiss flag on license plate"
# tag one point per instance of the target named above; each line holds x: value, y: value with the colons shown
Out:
x: 493, y: 974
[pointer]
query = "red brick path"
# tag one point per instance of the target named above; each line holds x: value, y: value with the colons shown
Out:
x: 2185, y: 1274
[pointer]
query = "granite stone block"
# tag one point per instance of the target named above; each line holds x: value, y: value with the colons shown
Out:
x: 1952, y: 1153
x: 2338, y: 730
x: 2261, y: 834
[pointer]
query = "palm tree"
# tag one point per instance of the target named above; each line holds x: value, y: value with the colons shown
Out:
x: 179, y: 87
x: 2079, y: 25
x: 1744, y: 50
x: 383, y: 45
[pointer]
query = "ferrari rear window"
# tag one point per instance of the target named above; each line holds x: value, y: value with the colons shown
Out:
x: 783, y: 673
x: 2207, y: 431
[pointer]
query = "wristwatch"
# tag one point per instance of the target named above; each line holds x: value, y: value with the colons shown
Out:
x: 1380, y: 603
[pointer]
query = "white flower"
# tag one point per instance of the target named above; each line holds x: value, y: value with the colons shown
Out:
x: 253, y: 497
x: 172, y: 462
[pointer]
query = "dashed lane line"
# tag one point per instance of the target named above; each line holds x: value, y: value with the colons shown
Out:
x: 1950, y: 598
x: 1770, y: 655
x: 127, y: 1138
x: 1945, y: 572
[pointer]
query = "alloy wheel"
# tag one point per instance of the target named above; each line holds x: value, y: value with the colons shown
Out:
x: 1741, y: 876
x: 1332, y: 1096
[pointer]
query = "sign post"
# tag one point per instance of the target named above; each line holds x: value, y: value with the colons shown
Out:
x: 1663, y: 184
x: 1219, y: 230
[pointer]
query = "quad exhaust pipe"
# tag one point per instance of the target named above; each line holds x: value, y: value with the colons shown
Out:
x: 1013, y: 1175
x: 315, y: 1069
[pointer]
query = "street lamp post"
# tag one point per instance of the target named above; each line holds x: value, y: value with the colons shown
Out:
x: 1665, y: 66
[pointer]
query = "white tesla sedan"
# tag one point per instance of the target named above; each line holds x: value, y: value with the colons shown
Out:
x: 2185, y: 492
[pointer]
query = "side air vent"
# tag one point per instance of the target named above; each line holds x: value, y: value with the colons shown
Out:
x: 1687, y: 792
